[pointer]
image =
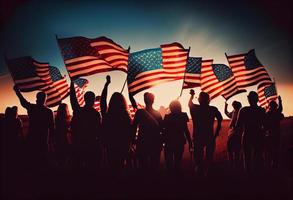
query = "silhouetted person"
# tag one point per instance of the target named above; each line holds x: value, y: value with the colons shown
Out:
x: 234, y: 134
x: 203, y: 117
x: 273, y: 120
x: 251, y: 122
x: 62, y: 130
x: 116, y: 127
x: 86, y: 130
x: 175, y: 135
x: 149, y: 138
x: 41, y: 125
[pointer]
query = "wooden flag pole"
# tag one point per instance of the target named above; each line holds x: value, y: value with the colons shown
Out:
x: 184, y: 74
x: 124, y: 85
x: 128, y: 50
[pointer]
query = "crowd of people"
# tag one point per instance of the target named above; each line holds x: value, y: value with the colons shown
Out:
x: 111, y: 139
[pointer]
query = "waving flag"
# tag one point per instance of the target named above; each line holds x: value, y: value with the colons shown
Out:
x: 31, y: 75
x: 218, y: 79
x: 151, y: 67
x: 80, y: 86
x: 23, y: 72
x: 84, y: 56
x: 193, y: 72
x: 247, y: 69
x: 266, y: 93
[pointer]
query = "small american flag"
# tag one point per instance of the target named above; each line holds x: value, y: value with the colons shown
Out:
x: 151, y: 67
x: 193, y: 72
x: 247, y: 69
x: 132, y: 110
x: 84, y: 56
x: 218, y: 79
x: 266, y: 93
x: 80, y: 86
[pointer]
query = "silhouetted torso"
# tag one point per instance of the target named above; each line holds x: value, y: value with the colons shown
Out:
x: 149, y: 125
x: 273, y: 119
x: 203, y: 118
x: 251, y: 120
x: 40, y: 121
x: 86, y: 125
x: 174, y: 124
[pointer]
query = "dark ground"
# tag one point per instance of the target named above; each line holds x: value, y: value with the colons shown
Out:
x: 20, y: 182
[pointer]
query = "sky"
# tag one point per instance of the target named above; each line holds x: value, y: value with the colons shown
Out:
x: 210, y: 28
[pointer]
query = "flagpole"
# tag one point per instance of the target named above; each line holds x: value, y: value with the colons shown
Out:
x: 62, y: 56
x: 124, y: 85
x: 184, y: 74
x: 128, y: 50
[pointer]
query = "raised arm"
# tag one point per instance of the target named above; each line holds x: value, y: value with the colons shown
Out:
x: 104, y: 96
x: 73, y: 100
x: 133, y: 102
x: 280, y: 108
x: 227, y: 113
x: 219, y: 122
x: 24, y: 103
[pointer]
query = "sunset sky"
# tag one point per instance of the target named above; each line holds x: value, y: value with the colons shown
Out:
x: 210, y: 28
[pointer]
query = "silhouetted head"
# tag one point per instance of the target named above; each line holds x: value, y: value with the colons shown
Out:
x: 204, y: 98
x: 62, y: 112
x: 273, y: 105
x: 148, y: 98
x: 175, y: 106
x: 236, y: 105
x: 41, y: 98
x: 117, y: 104
x: 252, y: 98
x: 8, y: 112
x: 89, y: 99
x: 14, y: 111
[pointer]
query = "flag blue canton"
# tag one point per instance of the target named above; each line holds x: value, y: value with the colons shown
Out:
x: 222, y: 72
x: 55, y: 74
x: 193, y: 65
x: 76, y: 47
x: 22, y: 67
x: 143, y: 61
x: 80, y: 82
x: 270, y: 91
x: 251, y: 61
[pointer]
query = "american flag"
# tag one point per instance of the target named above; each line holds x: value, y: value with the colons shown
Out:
x: 132, y: 110
x: 23, y: 72
x: 266, y: 93
x: 218, y: 79
x: 247, y: 69
x: 193, y: 71
x: 151, y: 67
x: 31, y: 75
x: 84, y: 56
x: 80, y: 86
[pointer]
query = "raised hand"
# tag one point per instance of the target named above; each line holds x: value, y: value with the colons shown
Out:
x: 108, y: 79
x: 191, y: 92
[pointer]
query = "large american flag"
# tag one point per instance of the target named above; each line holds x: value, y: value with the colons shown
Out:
x: 266, y: 92
x: 23, y: 72
x: 193, y: 72
x: 247, y: 69
x: 218, y: 79
x: 31, y: 75
x: 80, y: 86
x: 151, y: 67
x: 84, y: 56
